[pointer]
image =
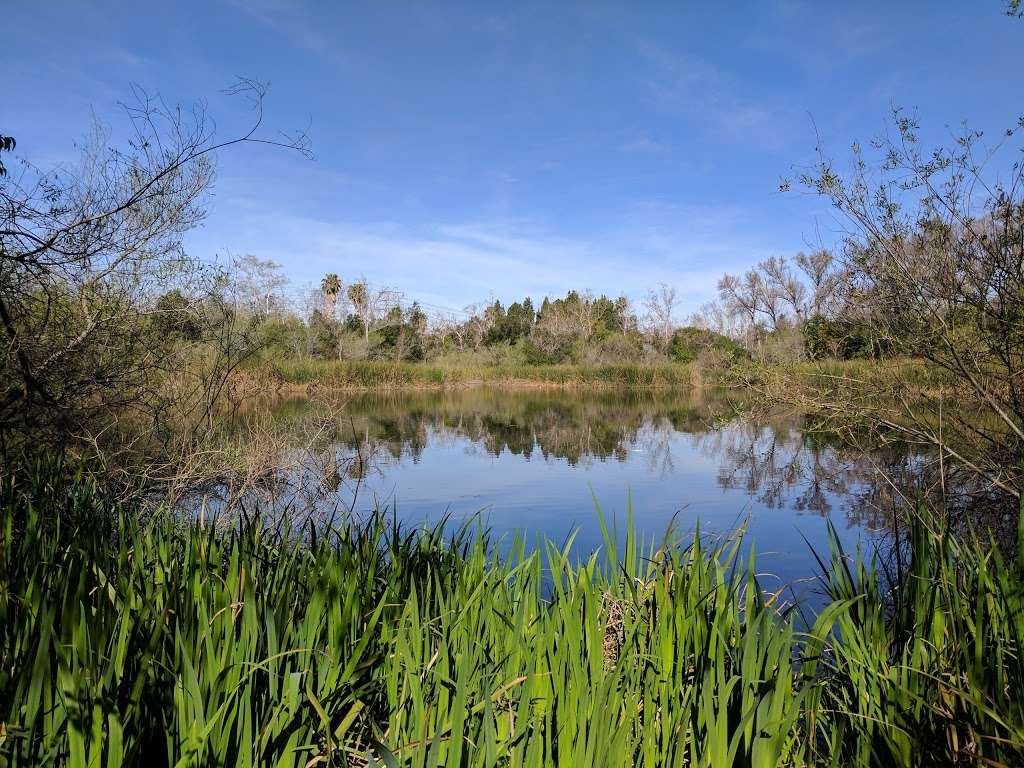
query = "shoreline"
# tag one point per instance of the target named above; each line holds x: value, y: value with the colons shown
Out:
x: 305, y: 388
x: 305, y: 377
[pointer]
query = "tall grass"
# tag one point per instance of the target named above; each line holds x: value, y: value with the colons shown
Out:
x: 168, y: 642
x: 359, y: 375
x: 922, y: 666
x: 858, y: 375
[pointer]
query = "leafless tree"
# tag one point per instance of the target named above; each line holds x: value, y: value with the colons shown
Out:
x: 625, y: 313
x: 780, y: 281
x: 258, y: 284
x: 772, y: 296
x: 661, y: 304
x: 582, y: 315
x: 768, y: 300
x: 713, y: 316
x: 87, y: 250
x: 448, y: 326
x: 475, y: 328
x: 741, y: 297
x: 825, y: 280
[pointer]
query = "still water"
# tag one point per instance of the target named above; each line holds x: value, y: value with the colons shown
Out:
x: 538, y: 462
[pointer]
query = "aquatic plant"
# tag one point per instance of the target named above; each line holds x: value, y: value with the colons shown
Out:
x: 363, y: 374
x: 242, y: 642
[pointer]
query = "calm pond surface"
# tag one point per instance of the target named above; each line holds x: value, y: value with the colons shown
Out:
x: 536, y: 461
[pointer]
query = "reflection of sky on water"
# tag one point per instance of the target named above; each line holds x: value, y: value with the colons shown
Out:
x: 536, y: 462
x: 552, y: 497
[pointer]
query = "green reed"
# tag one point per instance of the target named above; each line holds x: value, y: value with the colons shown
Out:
x: 167, y: 642
x: 367, y: 374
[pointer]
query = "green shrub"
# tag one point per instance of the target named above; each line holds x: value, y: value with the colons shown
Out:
x: 688, y: 343
x: 841, y: 339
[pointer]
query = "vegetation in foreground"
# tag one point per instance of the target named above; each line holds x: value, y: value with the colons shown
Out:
x: 175, y: 643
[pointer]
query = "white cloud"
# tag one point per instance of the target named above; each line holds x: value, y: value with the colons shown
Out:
x: 287, y: 17
x: 644, y: 144
x: 685, y: 84
x: 456, y: 264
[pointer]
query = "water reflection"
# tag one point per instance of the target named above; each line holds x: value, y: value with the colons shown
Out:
x: 551, y: 425
x: 785, y: 465
x: 375, y: 444
x: 537, y: 461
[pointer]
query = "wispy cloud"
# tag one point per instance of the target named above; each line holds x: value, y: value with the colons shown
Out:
x: 285, y: 16
x: 128, y: 60
x: 686, y: 84
x: 643, y: 144
x: 453, y: 265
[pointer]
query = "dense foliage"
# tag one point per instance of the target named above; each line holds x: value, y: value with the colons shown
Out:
x: 171, y: 642
x: 839, y: 339
x: 688, y: 344
x: 366, y: 324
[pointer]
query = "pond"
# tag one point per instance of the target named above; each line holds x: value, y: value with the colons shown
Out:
x: 540, y: 462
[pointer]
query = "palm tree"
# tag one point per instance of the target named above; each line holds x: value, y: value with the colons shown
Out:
x: 330, y: 286
x: 359, y: 295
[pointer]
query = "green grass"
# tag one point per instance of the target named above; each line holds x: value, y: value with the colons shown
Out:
x: 337, y: 374
x: 169, y: 643
x: 458, y: 372
x: 855, y: 375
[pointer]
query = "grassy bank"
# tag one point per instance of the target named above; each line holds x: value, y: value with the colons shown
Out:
x: 855, y: 375
x: 359, y: 375
x: 301, y: 375
x: 167, y: 643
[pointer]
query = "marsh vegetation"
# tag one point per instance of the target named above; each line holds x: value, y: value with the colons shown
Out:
x: 207, y: 558
x: 172, y: 643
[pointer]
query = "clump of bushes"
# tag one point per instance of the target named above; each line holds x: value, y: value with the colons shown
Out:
x: 688, y: 344
x: 825, y: 338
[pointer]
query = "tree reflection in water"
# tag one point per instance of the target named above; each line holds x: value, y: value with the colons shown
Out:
x: 779, y: 460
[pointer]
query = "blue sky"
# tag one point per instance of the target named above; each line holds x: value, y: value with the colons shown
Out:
x: 465, y: 149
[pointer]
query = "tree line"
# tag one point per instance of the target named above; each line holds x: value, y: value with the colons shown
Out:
x: 781, y: 310
x: 353, y: 320
x: 109, y: 329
